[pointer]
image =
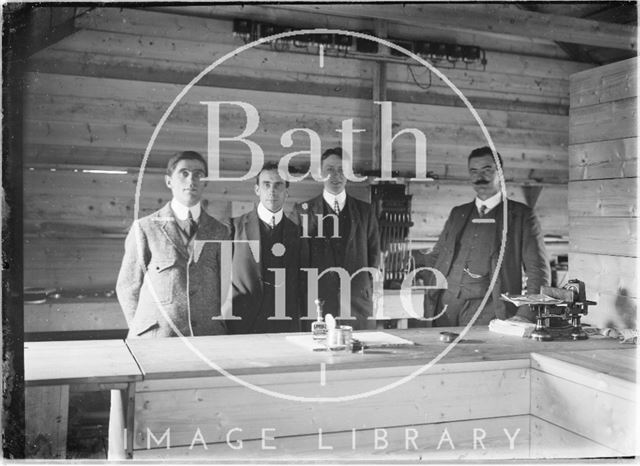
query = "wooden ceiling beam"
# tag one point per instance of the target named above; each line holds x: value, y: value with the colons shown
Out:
x: 489, y: 18
x: 625, y: 13
x: 49, y: 25
x: 574, y: 51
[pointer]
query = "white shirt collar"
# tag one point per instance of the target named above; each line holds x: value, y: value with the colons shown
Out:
x: 266, y: 215
x: 332, y: 198
x: 182, y: 211
x: 492, y: 202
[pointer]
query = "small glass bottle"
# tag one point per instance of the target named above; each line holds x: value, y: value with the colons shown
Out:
x: 319, y: 327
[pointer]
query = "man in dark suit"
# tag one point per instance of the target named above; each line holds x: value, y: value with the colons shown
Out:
x: 264, y: 299
x: 342, y: 232
x: 467, y: 251
x: 169, y: 283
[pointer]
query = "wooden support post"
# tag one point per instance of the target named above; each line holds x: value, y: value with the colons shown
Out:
x: 131, y: 399
x: 379, y: 94
x: 116, y: 426
x: 16, y: 22
x: 47, y: 414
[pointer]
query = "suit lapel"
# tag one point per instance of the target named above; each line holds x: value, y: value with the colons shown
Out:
x: 316, y: 208
x: 252, y: 232
x: 169, y: 225
x: 354, y: 217
x: 462, y: 219
x: 204, y: 232
x: 290, y: 236
x: 499, y: 225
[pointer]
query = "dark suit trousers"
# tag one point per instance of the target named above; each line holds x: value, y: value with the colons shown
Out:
x: 461, y: 309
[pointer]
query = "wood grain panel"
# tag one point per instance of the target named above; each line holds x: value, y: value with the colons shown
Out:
x: 92, y: 204
x: 611, y: 371
x: 482, y: 18
x: 605, y: 273
x: 501, y: 42
x: 49, y: 363
x: 604, y: 198
x: 614, y: 310
x: 72, y: 263
x: 215, y: 22
x: 392, y: 444
x: 448, y: 169
x: 615, y: 236
x: 141, y: 69
x: 611, y: 120
x: 134, y: 116
x: 609, y: 421
x: 550, y: 441
x: 440, y: 398
x: 604, y: 159
x: 131, y: 136
x: 98, y: 99
x: 495, y: 80
x: 432, y: 203
x: 605, y: 84
x: 73, y: 317
x: 287, y: 66
x: 48, y: 104
x: 46, y: 419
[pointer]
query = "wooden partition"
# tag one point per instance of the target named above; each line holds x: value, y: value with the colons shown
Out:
x: 93, y: 100
x: 603, y: 216
x: 490, y: 397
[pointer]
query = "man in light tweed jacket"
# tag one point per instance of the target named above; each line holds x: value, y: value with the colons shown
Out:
x: 169, y: 282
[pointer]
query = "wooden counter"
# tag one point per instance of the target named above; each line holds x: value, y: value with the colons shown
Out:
x: 51, y: 368
x: 488, y: 398
x: 273, y: 353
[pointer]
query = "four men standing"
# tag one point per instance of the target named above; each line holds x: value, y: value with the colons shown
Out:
x: 170, y: 280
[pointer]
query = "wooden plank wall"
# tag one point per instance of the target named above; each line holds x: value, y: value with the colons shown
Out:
x: 421, y: 403
x: 94, y: 99
x: 603, y: 162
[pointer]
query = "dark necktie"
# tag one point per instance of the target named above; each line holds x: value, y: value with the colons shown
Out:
x: 191, y: 226
x: 483, y: 210
x: 336, y: 207
x: 273, y: 222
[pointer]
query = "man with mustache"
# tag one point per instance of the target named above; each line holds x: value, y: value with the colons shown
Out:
x: 468, y: 248
x: 342, y: 232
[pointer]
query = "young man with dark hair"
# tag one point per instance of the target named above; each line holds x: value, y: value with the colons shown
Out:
x: 169, y: 284
x: 467, y: 251
x: 265, y: 301
x: 347, y: 238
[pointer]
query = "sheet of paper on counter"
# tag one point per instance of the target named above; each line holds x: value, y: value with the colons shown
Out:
x: 368, y: 339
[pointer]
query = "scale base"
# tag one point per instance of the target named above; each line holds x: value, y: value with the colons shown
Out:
x: 579, y: 334
x: 541, y: 335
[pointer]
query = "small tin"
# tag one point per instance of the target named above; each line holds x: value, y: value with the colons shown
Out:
x: 334, y: 339
x: 448, y: 337
x: 347, y: 336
